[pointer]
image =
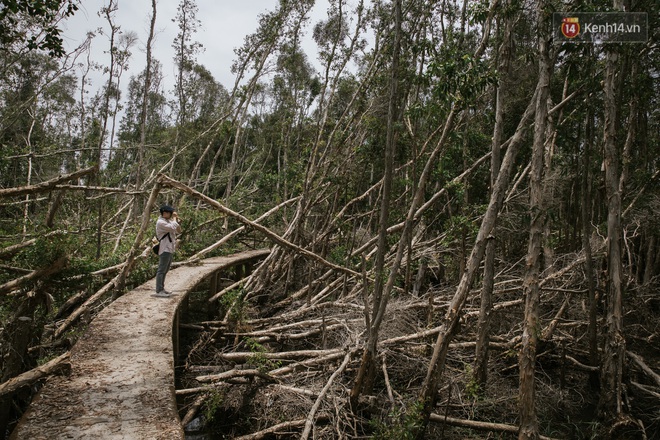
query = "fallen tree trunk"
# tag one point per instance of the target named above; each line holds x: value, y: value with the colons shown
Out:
x: 101, y: 189
x: 481, y: 426
x: 645, y: 368
x: 265, y: 336
x: 323, y: 360
x: 40, y: 273
x: 70, y: 303
x: 45, y: 186
x: 194, y: 408
x: 84, y: 307
x: 312, y: 413
x: 166, y: 181
x: 198, y: 256
x: 231, y: 374
x: 30, y: 377
x: 428, y: 393
x: 242, y: 357
x: 280, y: 427
x: 13, y: 249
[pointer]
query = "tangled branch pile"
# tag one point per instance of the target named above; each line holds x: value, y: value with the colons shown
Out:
x: 279, y: 362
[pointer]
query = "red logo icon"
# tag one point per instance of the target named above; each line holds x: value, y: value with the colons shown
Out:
x: 570, y: 27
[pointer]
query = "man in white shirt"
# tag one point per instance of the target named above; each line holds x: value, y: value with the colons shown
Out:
x: 167, y: 227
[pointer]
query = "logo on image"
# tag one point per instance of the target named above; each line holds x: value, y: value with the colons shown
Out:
x: 570, y: 27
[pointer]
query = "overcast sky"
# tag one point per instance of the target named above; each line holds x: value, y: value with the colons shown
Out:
x: 224, y: 25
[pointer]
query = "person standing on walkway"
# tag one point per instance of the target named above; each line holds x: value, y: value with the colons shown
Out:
x: 167, y: 227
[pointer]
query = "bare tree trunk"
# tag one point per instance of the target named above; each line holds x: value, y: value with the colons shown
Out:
x: 26, y: 207
x: 30, y: 377
x: 529, y: 428
x: 144, y: 109
x: 483, y: 326
x: 53, y: 208
x: 44, y: 186
x: 428, y: 393
x: 610, y: 404
x: 108, y: 11
x: 18, y: 335
x: 367, y: 366
x: 650, y: 253
x: 592, y: 331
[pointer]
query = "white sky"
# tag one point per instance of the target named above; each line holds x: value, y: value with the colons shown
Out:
x: 224, y: 25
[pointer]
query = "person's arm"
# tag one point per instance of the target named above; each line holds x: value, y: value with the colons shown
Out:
x: 163, y: 227
x: 177, y: 222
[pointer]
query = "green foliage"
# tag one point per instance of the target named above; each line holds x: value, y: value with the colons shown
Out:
x: 47, y: 250
x: 41, y: 17
x: 457, y: 77
x: 338, y: 254
x: 258, y: 359
x: 472, y: 387
x: 232, y: 302
x: 478, y: 11
x: 212, y: 404
x: 401, y: 424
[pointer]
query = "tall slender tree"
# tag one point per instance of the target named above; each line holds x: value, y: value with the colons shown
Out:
x: 614, y: 348
x: 485, y: 313
x: 185, y: 56
x: 144, y: 107
x: 529, y: 428
x: 365, y: 375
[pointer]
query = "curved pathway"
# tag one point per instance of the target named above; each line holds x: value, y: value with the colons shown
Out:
x: 121, y: 384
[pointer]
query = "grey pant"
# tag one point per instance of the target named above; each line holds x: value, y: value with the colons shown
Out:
x: 164, y: 261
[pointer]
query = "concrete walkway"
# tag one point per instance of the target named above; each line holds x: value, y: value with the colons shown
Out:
x: 121, y: 384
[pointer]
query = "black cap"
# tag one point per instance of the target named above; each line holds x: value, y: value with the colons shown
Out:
x: 166, y: 208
